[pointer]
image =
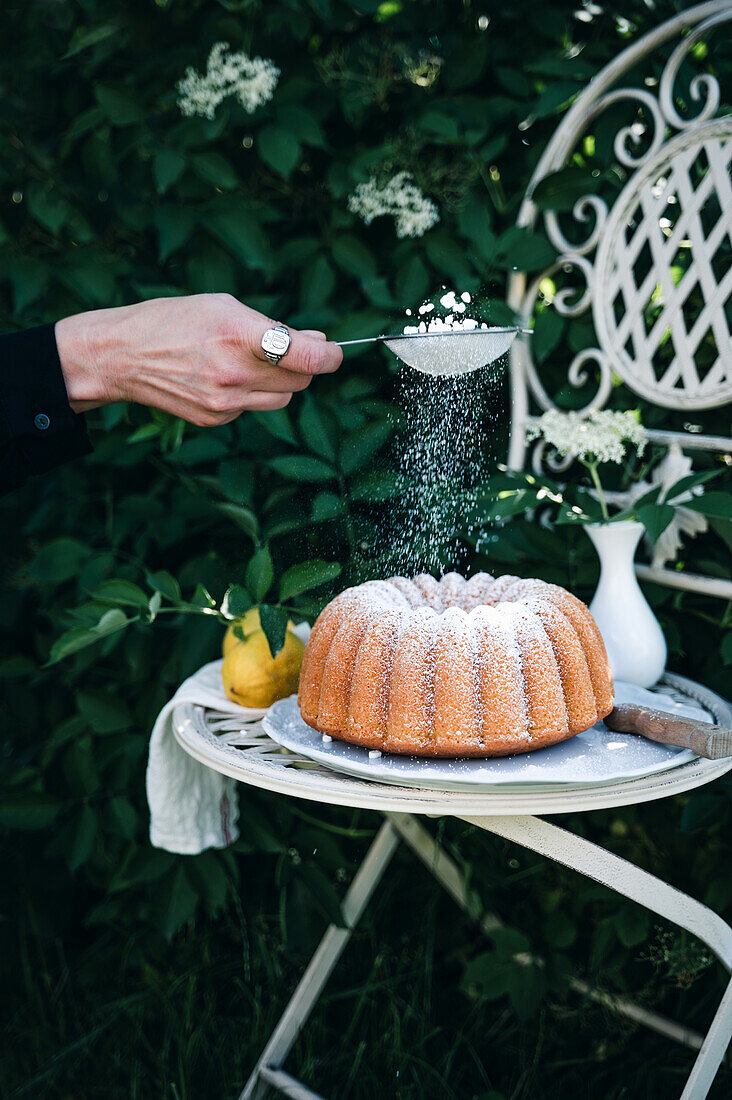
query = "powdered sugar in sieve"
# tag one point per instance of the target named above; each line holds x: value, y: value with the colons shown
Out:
x: 448, y: 350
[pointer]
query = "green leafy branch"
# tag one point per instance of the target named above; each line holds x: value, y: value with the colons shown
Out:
x: 117, y: 604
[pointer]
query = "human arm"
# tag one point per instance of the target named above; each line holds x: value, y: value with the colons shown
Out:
x: 196, y: 357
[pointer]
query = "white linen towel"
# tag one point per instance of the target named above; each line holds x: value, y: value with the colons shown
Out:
x: 193, y: 807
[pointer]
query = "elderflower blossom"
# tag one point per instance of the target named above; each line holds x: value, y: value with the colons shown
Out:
x: 599, y: 437
x: 251, y: 79
x: 412, y: 211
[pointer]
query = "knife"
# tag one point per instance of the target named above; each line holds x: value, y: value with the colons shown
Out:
x: 712, y: 742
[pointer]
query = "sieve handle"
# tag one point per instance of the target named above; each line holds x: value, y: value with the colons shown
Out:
x: 418, y: 335
x: 367, y: 340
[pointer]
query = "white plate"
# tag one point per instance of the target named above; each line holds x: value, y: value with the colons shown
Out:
x: 587, y: 760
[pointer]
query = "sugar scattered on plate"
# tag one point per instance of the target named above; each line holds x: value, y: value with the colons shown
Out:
x: 326, y: 738
x: 374, y: 754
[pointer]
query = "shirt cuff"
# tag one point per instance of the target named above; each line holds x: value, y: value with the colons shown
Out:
x: 34, y: 402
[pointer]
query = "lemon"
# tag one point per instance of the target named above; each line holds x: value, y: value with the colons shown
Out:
x: 254, y: 678
x: 248, y: 623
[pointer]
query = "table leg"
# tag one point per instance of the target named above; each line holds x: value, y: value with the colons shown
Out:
x: 317, y: 973
x: 452, y: 879
x: 632, y: 882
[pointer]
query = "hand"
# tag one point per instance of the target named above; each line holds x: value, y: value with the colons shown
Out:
x: 197, y: 357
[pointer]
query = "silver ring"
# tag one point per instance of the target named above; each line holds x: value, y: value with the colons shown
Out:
x: 276, y: 343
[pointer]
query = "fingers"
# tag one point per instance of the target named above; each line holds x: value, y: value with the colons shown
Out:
x: 278, y: 379
x: 309, y: 352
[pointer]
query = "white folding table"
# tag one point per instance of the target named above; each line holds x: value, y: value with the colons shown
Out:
x: 246, y: 753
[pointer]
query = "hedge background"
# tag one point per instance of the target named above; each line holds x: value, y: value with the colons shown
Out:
x: 131, y: 972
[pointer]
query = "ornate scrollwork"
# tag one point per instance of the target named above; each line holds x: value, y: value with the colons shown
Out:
x: 569, y: 301
x: 578, y: 376
x: 588, y: 208
x: 704, y: 87
x: 544, y: 455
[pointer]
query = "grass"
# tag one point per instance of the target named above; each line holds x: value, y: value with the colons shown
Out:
x: 106, y: 1017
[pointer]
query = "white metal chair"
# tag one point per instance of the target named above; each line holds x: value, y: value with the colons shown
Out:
x: 646, y: 268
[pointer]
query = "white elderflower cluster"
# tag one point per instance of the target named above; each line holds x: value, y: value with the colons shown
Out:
x: 412, y: 211
x: 600, y: 437
x: 251, y: 79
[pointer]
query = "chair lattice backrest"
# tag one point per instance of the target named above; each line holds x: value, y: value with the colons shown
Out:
x: 643, y: 272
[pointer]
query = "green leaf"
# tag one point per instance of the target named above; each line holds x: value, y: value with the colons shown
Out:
x: 702, y: 811
x: 166, y: 584
x: 525, y: 990
x: 323, y: 892
x: 561, y: 190
x: 154, y: 605
x: 310, y: 574
x: 274, y: 625
x: 560, y: 931
x: 315, y: 430
x: 83, y: 39
x: 236, y: 602
x: 353, y: 256
x: 527, y: 252
x: 260, y: 574
x: 326, y: 506
x: 237, y: 479
x: 84, y: 832
x: 242, y: 517
x: 377, y: 485
x: 29, y: 810
x: 474, y: 222
x: 179, y: 901
x: 548, y: 329
x: 718, y: 505
x: 120, y: 106
x: 632, y: 925
x: 168, y: 166
x: 120, y: 817
x: 360, y: 446
x: 175, y: 225
x: 725, y: 650
x: 278, y: 148
x: 202, y: 597
x: 302, y: 124
x: 120, y: 591
x: 303, y: 468
x: 412, y: 282
x: 81, y: 637
x: 29, y: 278
x: 684, y: 484
x: 277, y: 424
x: 48, y: 207
x: 104, y: 713
x: 655, y: 518
x: 556, y: 95
x: 58, y: 561
x: 145, y: 865
x: 238, y: 230
x: 440, y: 124
x: 488, y: 975
x: 213, y: 168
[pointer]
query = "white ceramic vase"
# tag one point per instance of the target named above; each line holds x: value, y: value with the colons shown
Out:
x: 633, y: 638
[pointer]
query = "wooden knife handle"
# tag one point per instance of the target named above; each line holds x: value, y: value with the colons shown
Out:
x: 712, y: 742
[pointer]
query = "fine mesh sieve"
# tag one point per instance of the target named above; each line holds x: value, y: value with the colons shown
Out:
x: 456, y: 351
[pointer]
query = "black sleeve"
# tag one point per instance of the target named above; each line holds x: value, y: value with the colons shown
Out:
x: 38, y: 429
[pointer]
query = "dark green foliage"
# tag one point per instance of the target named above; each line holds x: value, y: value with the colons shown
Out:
x: 127, y: 971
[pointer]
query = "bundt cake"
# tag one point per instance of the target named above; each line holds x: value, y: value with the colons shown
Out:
x: 451, y: 667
